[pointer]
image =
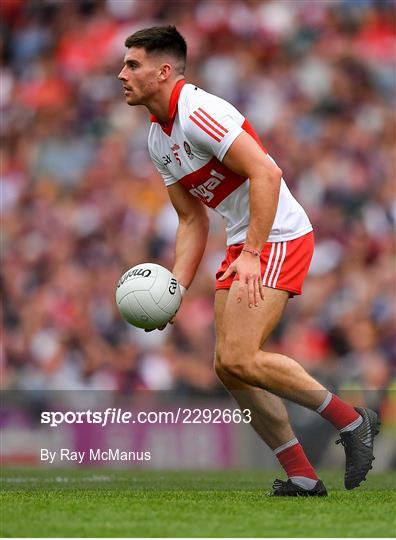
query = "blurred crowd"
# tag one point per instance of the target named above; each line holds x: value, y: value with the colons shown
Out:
x: 81, y: 201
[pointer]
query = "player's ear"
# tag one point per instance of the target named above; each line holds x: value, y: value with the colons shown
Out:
x: 164, y: 72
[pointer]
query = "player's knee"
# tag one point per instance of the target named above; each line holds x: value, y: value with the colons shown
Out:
x: 235, y: 367
x: 219, y: 370
x: 233, y: 361
x: 222, y: 362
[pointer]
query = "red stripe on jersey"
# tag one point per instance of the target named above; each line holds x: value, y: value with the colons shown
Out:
x: 204, y: 128
x: 248, y: 128
x: 212, y: 119
x: 196, y: 113
x: 212, y: 183
x: 174, y: 99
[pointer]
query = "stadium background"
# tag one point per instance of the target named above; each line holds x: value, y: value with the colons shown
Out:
x: 81, y: 201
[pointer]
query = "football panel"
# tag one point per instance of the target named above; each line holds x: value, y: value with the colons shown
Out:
x: 125, y: 310
x: 136, y: 315
x: 135, y: 284
x: 148, y: 304
x: 170, y: 303
x: 161, y: 284
x: 138, y: 278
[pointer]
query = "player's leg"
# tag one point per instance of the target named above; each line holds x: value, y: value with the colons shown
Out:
x: 239, y: 355
x: 238, y: 348
x: 269, y: 416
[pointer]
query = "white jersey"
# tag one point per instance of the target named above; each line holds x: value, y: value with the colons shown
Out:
x: 190, y: 150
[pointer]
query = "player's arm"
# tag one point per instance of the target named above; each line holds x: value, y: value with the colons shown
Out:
x: 246, y: 158
x: 192, y: 233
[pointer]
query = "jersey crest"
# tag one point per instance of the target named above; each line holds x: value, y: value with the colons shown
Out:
x: 188, y: 151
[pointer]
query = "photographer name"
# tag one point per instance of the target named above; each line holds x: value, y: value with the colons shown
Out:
x: 94, y: 454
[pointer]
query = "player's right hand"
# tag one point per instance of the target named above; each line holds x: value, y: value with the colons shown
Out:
x: 165, y: 325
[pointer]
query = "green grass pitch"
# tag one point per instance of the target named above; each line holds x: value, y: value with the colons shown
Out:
x: 138, y: 503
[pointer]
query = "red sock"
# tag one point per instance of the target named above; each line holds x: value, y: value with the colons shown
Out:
x: 294, y: 461
x: 336, y: 411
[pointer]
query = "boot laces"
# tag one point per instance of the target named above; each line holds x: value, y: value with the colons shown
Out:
x: 278, y: 483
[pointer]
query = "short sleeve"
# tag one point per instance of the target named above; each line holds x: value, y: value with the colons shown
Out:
x: 213, y: 125
x: 167, y: 176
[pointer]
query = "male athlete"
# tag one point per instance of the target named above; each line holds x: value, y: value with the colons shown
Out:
x: 209, y: 155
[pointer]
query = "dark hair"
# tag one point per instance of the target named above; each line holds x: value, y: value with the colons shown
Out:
x: 160, y: 39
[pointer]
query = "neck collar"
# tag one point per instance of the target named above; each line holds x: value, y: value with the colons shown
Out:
x: 173, y: 101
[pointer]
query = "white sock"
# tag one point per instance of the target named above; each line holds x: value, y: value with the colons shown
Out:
x: 290, y: 443
x: 326, y: 401
x: 303, y: 481
x: 356, y: 423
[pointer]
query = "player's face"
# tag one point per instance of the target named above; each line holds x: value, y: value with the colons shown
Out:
x: 139, y: 76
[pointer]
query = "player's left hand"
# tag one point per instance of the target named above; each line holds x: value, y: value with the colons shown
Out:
x: 248, y: 268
